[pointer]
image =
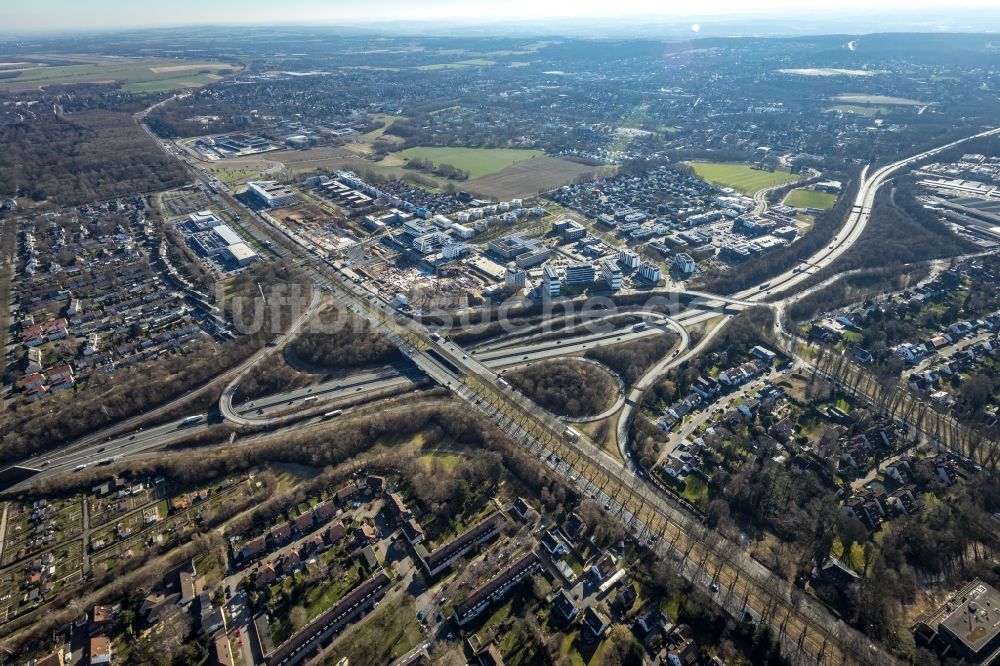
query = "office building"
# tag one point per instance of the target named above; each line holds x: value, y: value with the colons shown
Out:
x: 628, y: 259
x: 569, y: 229
x: 967, y: 626
x: 611, y: 274
x: 684, y: 263
x: 649, y: 272
x: 515, y: 278
x: 551, y: 284
x: 580, y: 274
x: 270, y: 193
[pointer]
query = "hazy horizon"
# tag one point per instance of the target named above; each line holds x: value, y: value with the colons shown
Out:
x: 71, y: 16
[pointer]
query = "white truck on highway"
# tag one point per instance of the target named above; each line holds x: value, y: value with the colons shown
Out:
x: 191, y: 420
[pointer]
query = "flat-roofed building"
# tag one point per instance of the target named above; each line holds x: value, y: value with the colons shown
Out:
x: 515, y: 278
x: 611, y: 274
x: 650, y: 272
x: 628, y: 259
x: 270, y: 193
x: 551, y: 284
x: 968, y: 624
x: 241, y: 253
x: 684, y: 263
x: 580, y: 274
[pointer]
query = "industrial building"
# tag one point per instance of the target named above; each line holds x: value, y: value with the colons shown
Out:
x: 270, y: 193
x: 221, y: 240
x: 241, y: 253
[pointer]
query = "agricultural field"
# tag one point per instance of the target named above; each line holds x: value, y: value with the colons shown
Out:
x: 478, y: 162
x: 811, y: 199
x: 461, y: 64
x: 132, y: 74
x: 855, y: 98
x: 529, y: 177
x: 741, y: 177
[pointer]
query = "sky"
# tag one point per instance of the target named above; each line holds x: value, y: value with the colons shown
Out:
x: 35, y: 15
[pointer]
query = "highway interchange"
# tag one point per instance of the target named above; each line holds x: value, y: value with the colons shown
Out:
x: 741, y: 585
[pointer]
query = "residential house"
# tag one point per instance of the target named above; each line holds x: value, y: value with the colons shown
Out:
x: 413, y: 532
x: 521, y: 508
x: 565, y: 606
x: 102, y: 618
x: 595, y: 621
x: 365, y: 535
x: 266, y: 575
x: 682, y: 650
x: 555, y: 543
x: 603, y: 567
x: 281, y: 533
x: 254, y: 547
x: 347, y: 493
x: 398, y: 508
x: 100, y: 650
x: 222, y: 652
x: 495, y: 588
x: 336, y: 532
x: 574, y: 526
x: 376, y: 485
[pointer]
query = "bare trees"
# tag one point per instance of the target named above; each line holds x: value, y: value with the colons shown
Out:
x: 565, y: 386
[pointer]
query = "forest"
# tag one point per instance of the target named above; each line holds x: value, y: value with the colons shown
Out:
x: 339, y: 339
x: 566, y: 387
x: 69, y: 159
x: 631, y: 360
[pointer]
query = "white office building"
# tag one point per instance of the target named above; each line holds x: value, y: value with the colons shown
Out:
x: 515, y: 278
x: 650, y: 272
x: 684, y: 263
x: 270, y: 193
x: 628, y: 259
x: 551, y: 284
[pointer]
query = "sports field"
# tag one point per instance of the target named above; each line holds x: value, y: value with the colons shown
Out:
x: 740, y: 177
x: 133, y: 74
x: 811, y: 199
x: 478, y: 162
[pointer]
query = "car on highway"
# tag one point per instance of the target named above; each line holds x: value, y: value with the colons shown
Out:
x: 80, y: 467
x: 46, y: 463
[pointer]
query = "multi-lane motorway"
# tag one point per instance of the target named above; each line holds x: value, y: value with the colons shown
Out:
x: 803, y: 626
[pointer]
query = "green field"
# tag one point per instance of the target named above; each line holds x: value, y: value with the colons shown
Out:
x: 478, y: 162
x: 133, y: 74
x: 811, y: 199
x: 740, y: 177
